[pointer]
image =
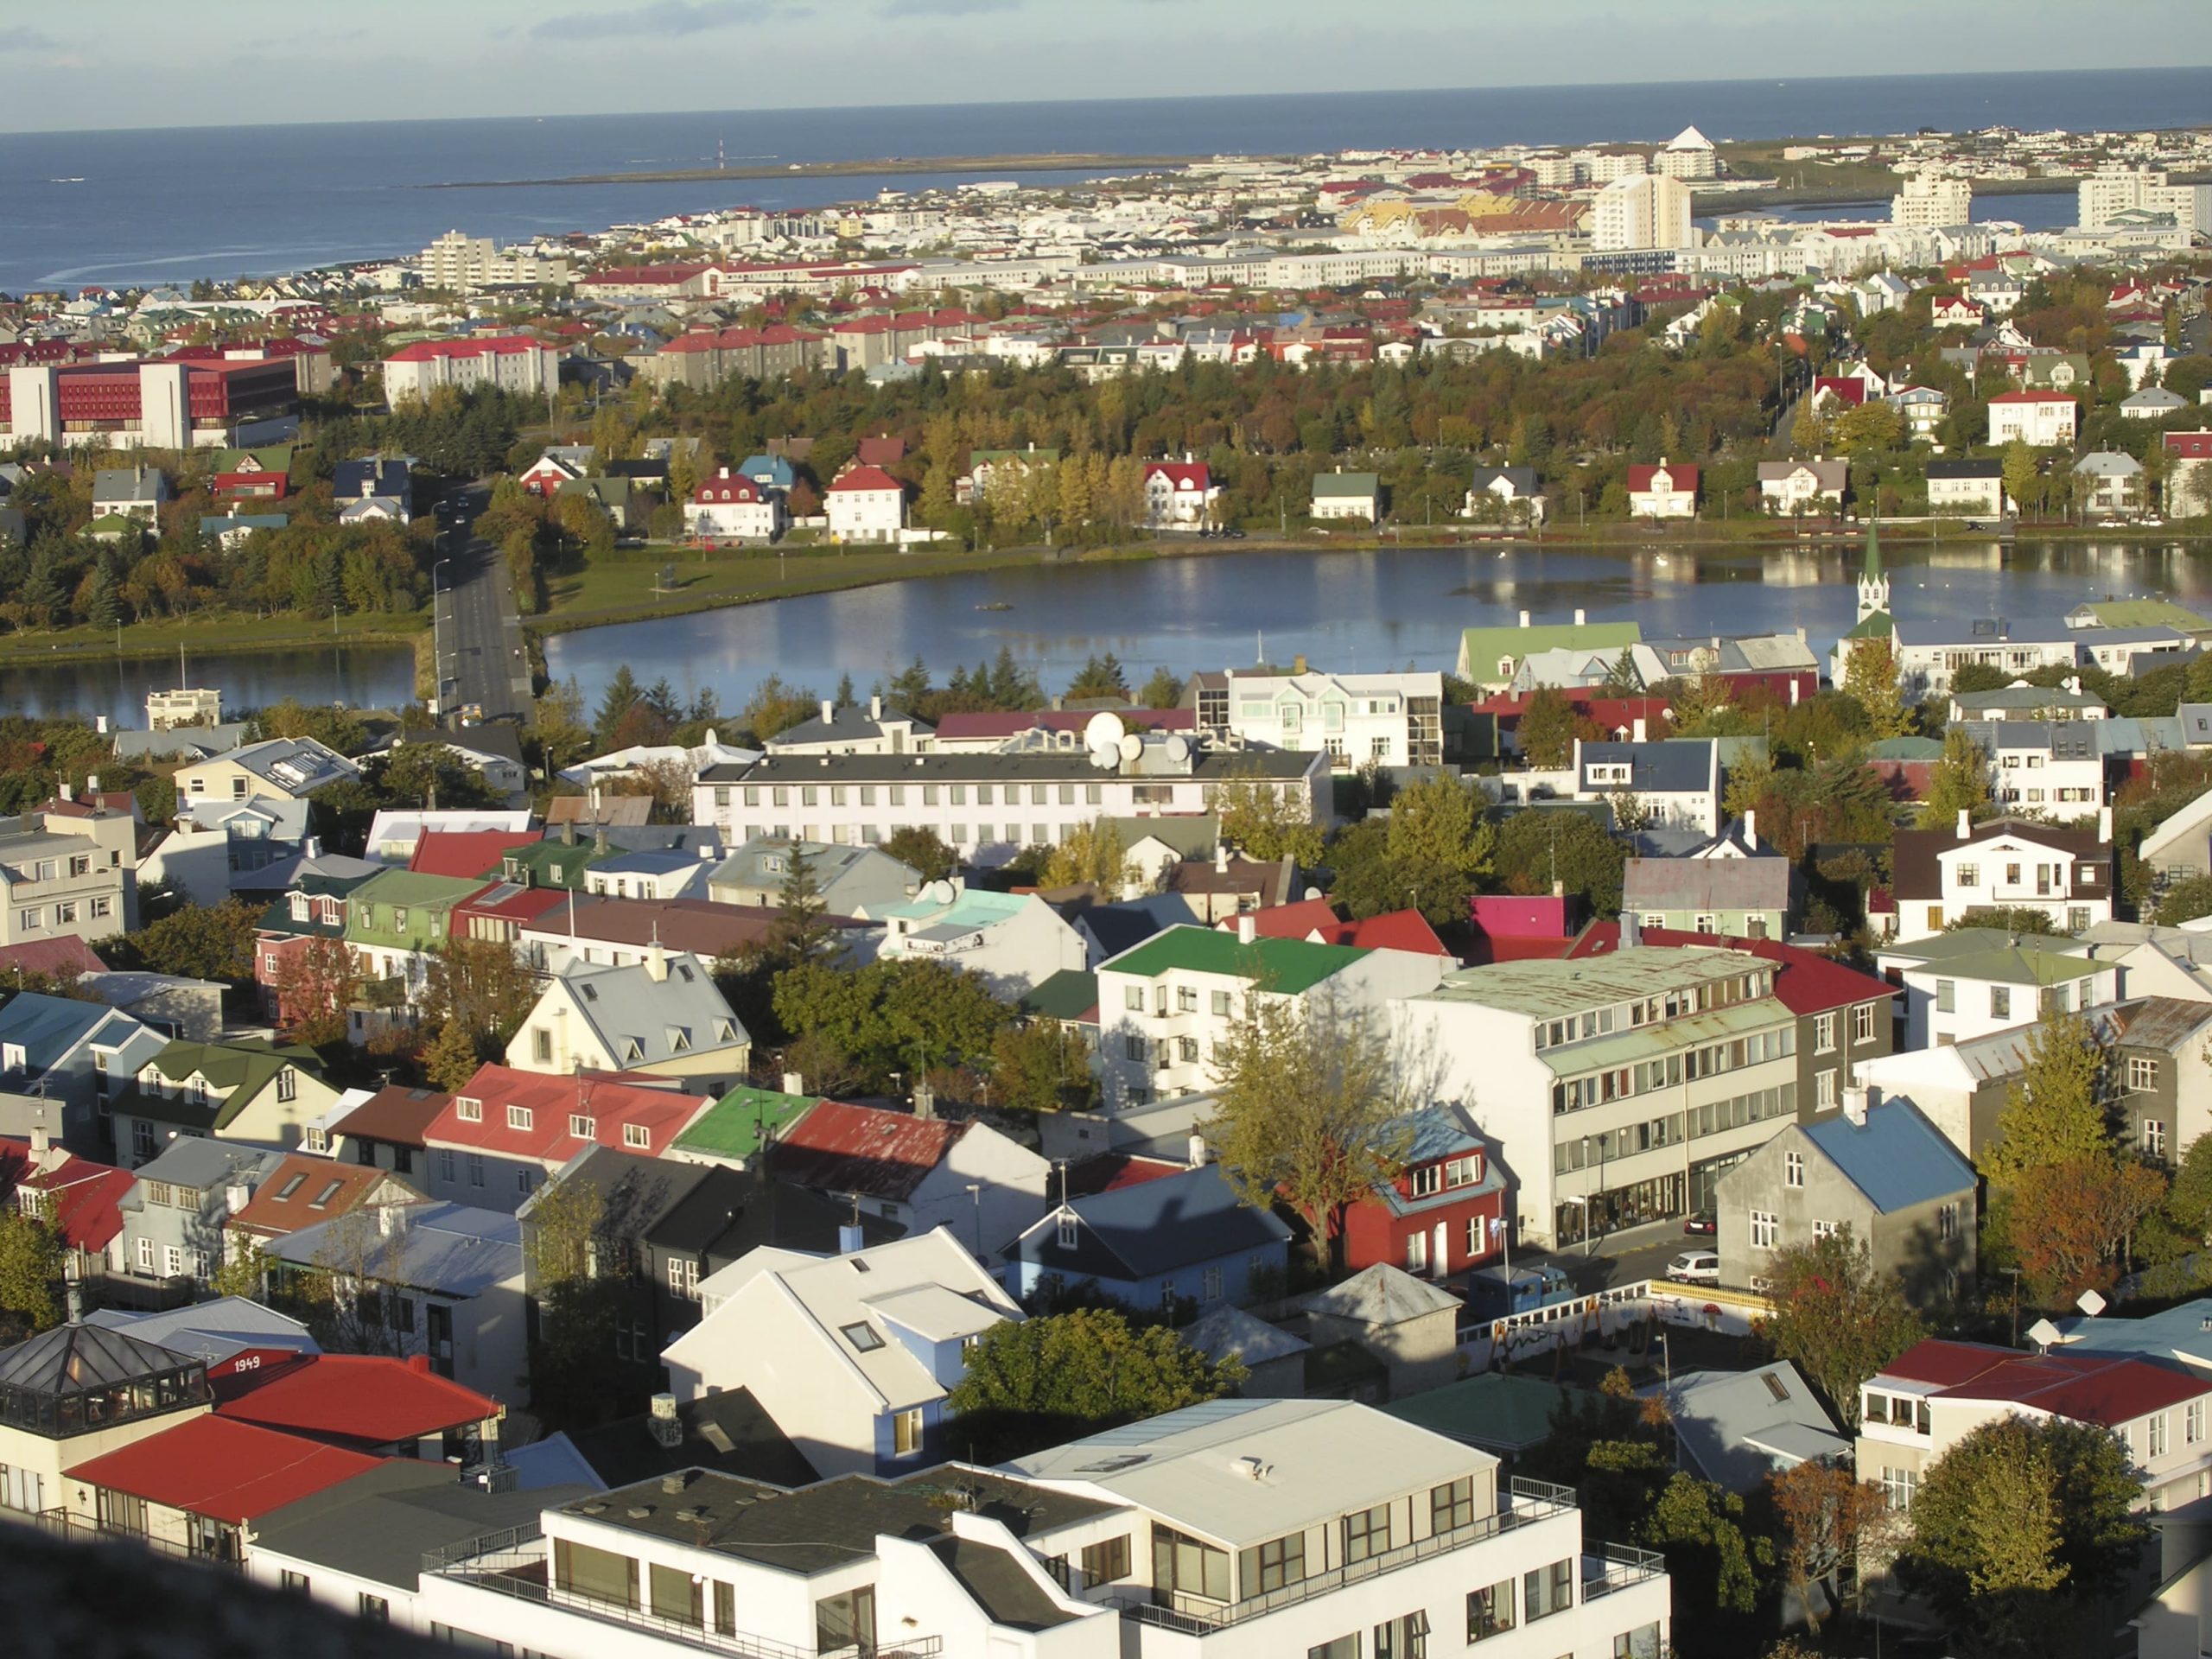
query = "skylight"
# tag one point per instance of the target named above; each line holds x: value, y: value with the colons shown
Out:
x: 862, y: 1335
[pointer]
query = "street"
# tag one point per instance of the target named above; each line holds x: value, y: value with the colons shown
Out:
x: 479, y: 644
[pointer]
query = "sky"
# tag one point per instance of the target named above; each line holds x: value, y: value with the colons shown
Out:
x: 153, y: 63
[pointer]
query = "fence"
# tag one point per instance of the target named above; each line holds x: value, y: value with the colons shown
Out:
x: 1620, y: 1311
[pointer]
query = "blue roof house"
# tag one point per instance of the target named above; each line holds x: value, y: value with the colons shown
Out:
x: 1181, y: 1237
x: 1880, y: 1168
x: 57, y: 1058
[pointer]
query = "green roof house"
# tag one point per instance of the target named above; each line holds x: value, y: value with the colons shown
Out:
x: 396, y: 920
x: 1341, y: 494
x: 1166, y: 1004
x: 1489, y: 657
x: 264, y: 1094
x: 733, y: 1131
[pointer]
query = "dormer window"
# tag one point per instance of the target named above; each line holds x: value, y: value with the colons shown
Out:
x: 1463, y: 1172
x: 519, y: 1117
x: 299, y: 906
x: 468, y: 1109
x: 582, y: 1126
x: 637, y: 1137
x: 1426, y: 1181
x: 633, y: 1051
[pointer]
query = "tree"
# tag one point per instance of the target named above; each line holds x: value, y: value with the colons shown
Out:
x: 2070, y: 1223
x: 1699, y: 1527
x: 315, y: 986
x: 1042, y: 1065
x: 2054, y: 1111
x: 1958, y: 783
x: 1548, y: 726
x: 430, y: 774
x: 31, y: 1256
x: 1440, y: 841
x: 1309, y: 1101
x: 2021, y: 1526
x: 921, y: 851
x: 621, y: 695
x: 570, y: 1262
x: 1163, y: 690
x: 1031, y: 1384
x: 803, y: 932
x: 1100, y: 677
x: 198, y: 942
x: 1537, y: 849
x: 1829, y: 1517
x: 909, y: 1015
x: 1869, y: 679
x: 482, y: 986
x: 2185, y: 901
x: 452, y: 1058
x: 247, y: 1271
x: 2023, y: 475
x: 1836, y: 1318
x: 1090, y: 854
x: 347, y: 1293
x: 776, y: 708
x: 1267, y: 823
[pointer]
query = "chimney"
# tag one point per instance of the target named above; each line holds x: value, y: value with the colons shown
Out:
x: 236, y: 1197
x: 1524, y: 619
x: 1966, y: 825
x: 1220, y: 858
x: 61, y: 790
x: 794, y: 1083
x: 1580, y: 616
x: 667, y: 1430
x: 392, y: 1220
x: 828, y: 711
x: 1198, y: 1152
x: 656, y: 962
x: 1750, y: 830
x: 494, y: 1473
x: 1248, y: 928
x: 1631, y: 930
x: 568, y: 832
x: 92, y: 787
x: 1854, y: 1105
x: 875, y: 708
x: 1297, y: 664
x: 924, y: 1101
x: 598, y: 838
x: 2104, y: 825
x: 75, y: 1289
x: 848, y: 1238
x: 1641, y: 730
x: 39, y: 1142
x: 99, y: 723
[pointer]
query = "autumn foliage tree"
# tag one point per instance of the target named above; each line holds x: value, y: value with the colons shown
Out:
x: 1838, y: 1317
x: 1828, y: 1517
x: 315, y: 986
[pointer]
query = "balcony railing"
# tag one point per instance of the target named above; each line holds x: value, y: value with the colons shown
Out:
x: 1608, y: 1568
x: 1526, y: 1502
x: 62, y: 1523
x: 513, y: 1562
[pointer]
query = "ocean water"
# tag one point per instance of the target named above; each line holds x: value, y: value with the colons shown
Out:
x: 173, y: 204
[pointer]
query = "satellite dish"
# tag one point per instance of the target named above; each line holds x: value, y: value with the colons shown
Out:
x: 2090, y: 1303
x: 1103, y: 731
x: 1132, y: 745
x: 1312, y: 893
x: 1178, y: 749
x: 2045, y: 1334
x: 942, y: 893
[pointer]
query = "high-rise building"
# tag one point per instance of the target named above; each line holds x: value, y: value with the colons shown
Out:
x: 1647, y: 211
x: 1928, y: 202
x: 2103, y: 196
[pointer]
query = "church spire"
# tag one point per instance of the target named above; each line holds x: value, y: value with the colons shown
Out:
x: 1873, y: 581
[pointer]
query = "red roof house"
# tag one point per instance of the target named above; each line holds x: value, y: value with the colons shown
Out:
x: 525, y: 1117
x: 860, y: 478
x: 224, y: 1471
x: 81, y: 1200
x: 2110, y: 1390
x: 467, y: 854
x: 864, y: 1150
x: 355, y: 1401
x: 1317, y: 921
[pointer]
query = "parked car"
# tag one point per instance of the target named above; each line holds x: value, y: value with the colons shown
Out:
x: 1695, y: 1267
x: 1701, y: 1223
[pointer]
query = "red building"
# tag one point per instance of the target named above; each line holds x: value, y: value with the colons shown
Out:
x: 1444, y: 1213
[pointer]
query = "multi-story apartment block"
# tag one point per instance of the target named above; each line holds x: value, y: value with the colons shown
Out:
x: 1166, y: 1005
x: 1972, y: 981
x: 64, y: 883
x: 2104, y: 196
x: 1643, y: 211
x: 511, y: 362
x: 1240, y: 1528
x: 1930, y: 202
x: 987, y: 807
x: 1620, y: 1088
x: 1357, y: 719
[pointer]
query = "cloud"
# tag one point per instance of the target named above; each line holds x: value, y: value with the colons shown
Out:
x: 32, y: 40
x: 657, y: 20
x: 946, y: 8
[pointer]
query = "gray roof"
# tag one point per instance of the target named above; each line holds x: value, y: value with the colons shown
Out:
x: 847, y: 723
x: 194, y: 742
x: 1759, y: 882
x: 212, y: 1331
x: 378, y: 1525
x: 125, y: 485
x: 1740, y: 1426
x: 1522, y: 479
x: 1381, y: 1294
x: 1072, y: 765
x: 1666, y: 768
x: 729, y: 1432
x: 1225, y: 1331
x: 83, y: 1359
x: 1153, y: 1228
x: 1956, y: 469
x: 2109, y: 463
x: 766, y: 861
x: 1193, y: 837
x: 448, y: 1248
x: 642, y: 1021
x: 295, y: 765
x: 46, y: 1027
x: 195, y: 1161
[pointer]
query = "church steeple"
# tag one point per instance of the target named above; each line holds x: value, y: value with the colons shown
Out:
x: 1873, y: 581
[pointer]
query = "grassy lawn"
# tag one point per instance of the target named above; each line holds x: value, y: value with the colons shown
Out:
x: 222, y: 632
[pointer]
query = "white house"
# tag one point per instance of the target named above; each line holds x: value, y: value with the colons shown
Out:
x: 662, y: 1016
x: 1178, y: 493
x: 1506, y: 492
x: 1788, y: 487
x: 1666, y: 491
x: 1356, y: 720
x: 1967, y: 489
x: 2043, y: 768
x: 865, y: 504
x: 1341, y: 494
x: 2034, y: 417
x: 1923, y: 409
x: 1977, y: 981
x: 2005, y: 863
x: 730, y: 507
x: 1014, y: 941
x: 853, y: 1354
x: 2113, y: 484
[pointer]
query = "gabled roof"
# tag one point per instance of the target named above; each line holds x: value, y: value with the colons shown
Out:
x: 357, y: 1400
x: 859, y: 480
x: 82, y: 1200
x: 644, y: 1021
x: 466, y: 853
x: 1740, y: 1427
x: 304, y: 1189
x: 450, y: 1248
x: 1760, y: 882
x: 1141, y: 1231
x: 1286, y: 967
x: 1896, y: 1157
x: 1381, y: 1294
x: 394, y: 1113
x: 2107, y: 1389
x: 879, y: 1154
x: 47, y: 1027
x: 223, y: 1470
x: 547, y: 1105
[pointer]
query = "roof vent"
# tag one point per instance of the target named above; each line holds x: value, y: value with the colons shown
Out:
x: 639, y: 1511
x: 1251, y: 1468
x: 675, y: 1481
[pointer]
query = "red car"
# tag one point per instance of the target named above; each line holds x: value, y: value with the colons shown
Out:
x: 1701, y: 1224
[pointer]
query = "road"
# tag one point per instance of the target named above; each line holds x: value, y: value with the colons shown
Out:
x: 479, y: 644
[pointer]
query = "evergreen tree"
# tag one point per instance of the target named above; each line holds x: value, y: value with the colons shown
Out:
x: 621, y: 696
x: 42, y: 594
x: 329, y: 581
x: 451, y: 1059
x: 98, y: 602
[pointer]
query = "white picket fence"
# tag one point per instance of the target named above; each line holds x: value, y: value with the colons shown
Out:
x: 1531, y: 1337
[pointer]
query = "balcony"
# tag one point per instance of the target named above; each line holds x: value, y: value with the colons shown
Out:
x: 514, y: 1563
x: 1617, y: 1567
x: 1524, y: 1503
x: 61, y: 1523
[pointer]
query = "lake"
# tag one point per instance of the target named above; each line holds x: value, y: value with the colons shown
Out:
x: 1354, y: 611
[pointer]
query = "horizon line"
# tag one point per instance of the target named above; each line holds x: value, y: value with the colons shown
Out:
x: 1167, y: 97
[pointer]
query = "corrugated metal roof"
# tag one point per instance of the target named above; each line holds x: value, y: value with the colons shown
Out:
x: 1896, y: 1157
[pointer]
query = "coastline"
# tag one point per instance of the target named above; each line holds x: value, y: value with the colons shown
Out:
x: 905, y: 165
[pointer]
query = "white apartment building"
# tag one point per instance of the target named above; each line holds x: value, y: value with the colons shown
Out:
x: 1619, y: 1088
x: 1164, y: 1005
x: 1356, y: 720
x: 1647, y: 210
x: 2102, y: 197
x: 462, y: 262
x: 2033, y: 417
x: 1964, y: 986
x: 58, y: 885
x: 987, y: 807
x: 514, y: 363
x: 865, y: 504
x: 2053, y: 769
x: 1928, y: 202
x: 1238, y: 1529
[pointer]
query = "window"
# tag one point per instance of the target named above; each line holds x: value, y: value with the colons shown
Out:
x: 1862, y: 1023
x: 1946, y: 997
x: 1642, y: 1642
x: 1417, y: 1251
x: 637, y: 1135
x: 1187, y: 999
x: 1793, y: 1166
x: 1427, y: 1181
x: 1273, y: 1566
x: 467, y: 1110
x: 541, y: 1046
x: 172, y: 1261
x: 519, y: 1117
x: 1946, y: 1222
x: 2154, y: 1137
x: 1211, y: 1284
x: 145, y: 1256
x: 1823, y: 1229
x: 1132, y: 998
x: 846, y: 1622
x: 1823, y: 1091
x: 1066, y: 1231
x: 2000, y: 1001
x: 1490, y: 1610
x: 1969, y: 875
x: 445, y: 1164
x: 1343, y: 1647
x: 288, y: 1579
x: 1823, y: 1034
x: 581, y: 1125
x: 321, y: 1199
x: 1367, y: 1532
x: 1107, y: 1562
x: 906, y: 1432
x: 2192, y: 1422
x: 595, y: 1574
x: 1132, y: 1046
x: 476, y: 1169
x: 1899, y: 1486
x: 1547, y: 1590
x: 2156, y: 1427
x: 1451, y: 1505
x: 1763, y: 1230
x: 287, y: 1083
x: 1404, y: 1637
x: 2142, y: 1074
x: 1182, y: 1564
